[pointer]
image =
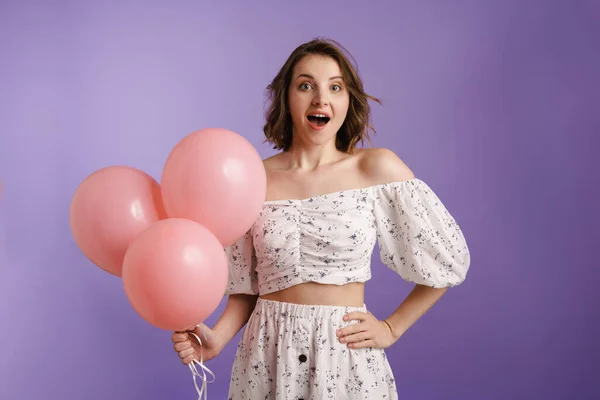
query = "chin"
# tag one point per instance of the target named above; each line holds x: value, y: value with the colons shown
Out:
x: 321, y: 137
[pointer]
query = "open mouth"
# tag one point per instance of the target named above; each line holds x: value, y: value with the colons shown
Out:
x: 318, y: 119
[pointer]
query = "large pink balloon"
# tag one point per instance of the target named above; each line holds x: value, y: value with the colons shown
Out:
x: 175, y: 274
x: 216, y: 178
x: 109, y: 209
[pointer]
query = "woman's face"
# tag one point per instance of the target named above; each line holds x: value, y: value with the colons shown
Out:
x: 318, y: 100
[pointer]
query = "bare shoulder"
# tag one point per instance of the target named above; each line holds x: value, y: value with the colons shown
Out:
x: 272, y: 163
x: 381, y: 165
x: 269, y: 161
x: 273, y: 169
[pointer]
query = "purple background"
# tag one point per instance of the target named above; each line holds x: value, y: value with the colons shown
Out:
x: 494, y: 104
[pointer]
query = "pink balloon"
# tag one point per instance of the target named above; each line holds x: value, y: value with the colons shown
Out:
x: 216, y: 178
x: 109, y: 209
x: 175, y: 274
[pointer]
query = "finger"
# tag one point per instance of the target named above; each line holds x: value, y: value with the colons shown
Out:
x: 202, y: 331
x: 189, y: 329
x: 186, y: 352
x: 200, y: 328
x: 351, y: 329
x: 356, y: 315
x: 189, y: 359
x: 179, y: 337
x: 357, y: 337
x: 182, y: 346
x: 199, y: 337
x: 205, y: 334
x: 363, y: 344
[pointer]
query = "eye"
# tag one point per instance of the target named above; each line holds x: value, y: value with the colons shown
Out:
x: 336, y: 88
x: 305, y: 86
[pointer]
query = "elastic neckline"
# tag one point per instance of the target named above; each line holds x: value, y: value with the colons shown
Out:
x: 343, y: 191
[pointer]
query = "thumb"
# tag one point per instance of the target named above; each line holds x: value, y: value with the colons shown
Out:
x: 205, y: 334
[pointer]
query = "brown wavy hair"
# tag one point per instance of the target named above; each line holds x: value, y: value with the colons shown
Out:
x: 356, y: 126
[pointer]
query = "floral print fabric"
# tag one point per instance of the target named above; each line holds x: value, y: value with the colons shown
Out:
x: 330, y: 238
x: 290, y: 351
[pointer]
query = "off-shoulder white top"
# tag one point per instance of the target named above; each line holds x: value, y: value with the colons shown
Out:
x: 330, y: 238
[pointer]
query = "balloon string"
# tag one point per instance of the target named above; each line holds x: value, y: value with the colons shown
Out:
x: 201, y: 375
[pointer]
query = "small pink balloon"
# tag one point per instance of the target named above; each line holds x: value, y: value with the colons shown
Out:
x: 217, y: 178
x: 109, y: 209
x: 175, y: 274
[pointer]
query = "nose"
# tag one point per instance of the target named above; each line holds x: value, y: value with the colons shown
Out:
x: 320, y: 98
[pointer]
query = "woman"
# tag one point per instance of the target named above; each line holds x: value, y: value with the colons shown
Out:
x: 297, y: 277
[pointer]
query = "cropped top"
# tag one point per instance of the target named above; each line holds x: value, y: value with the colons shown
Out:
x: 330, y: 239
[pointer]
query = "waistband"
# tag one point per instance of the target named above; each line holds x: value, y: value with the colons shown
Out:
x: 292, y: 310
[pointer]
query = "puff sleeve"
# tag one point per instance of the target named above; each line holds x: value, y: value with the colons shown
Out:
x: 242, y: 266
x: 417, y: 236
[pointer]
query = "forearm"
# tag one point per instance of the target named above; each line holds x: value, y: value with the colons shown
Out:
x: 416, y: 304
x: 237, y: 311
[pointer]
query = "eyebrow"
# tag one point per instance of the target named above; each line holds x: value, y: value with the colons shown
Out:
x: 311, y: 77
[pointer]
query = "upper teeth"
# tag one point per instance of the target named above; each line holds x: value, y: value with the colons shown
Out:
x: 319, y: 115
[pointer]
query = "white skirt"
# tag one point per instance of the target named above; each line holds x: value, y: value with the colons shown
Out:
x: 290, y: 352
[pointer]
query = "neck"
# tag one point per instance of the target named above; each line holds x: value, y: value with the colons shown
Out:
x: 309, y: 158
